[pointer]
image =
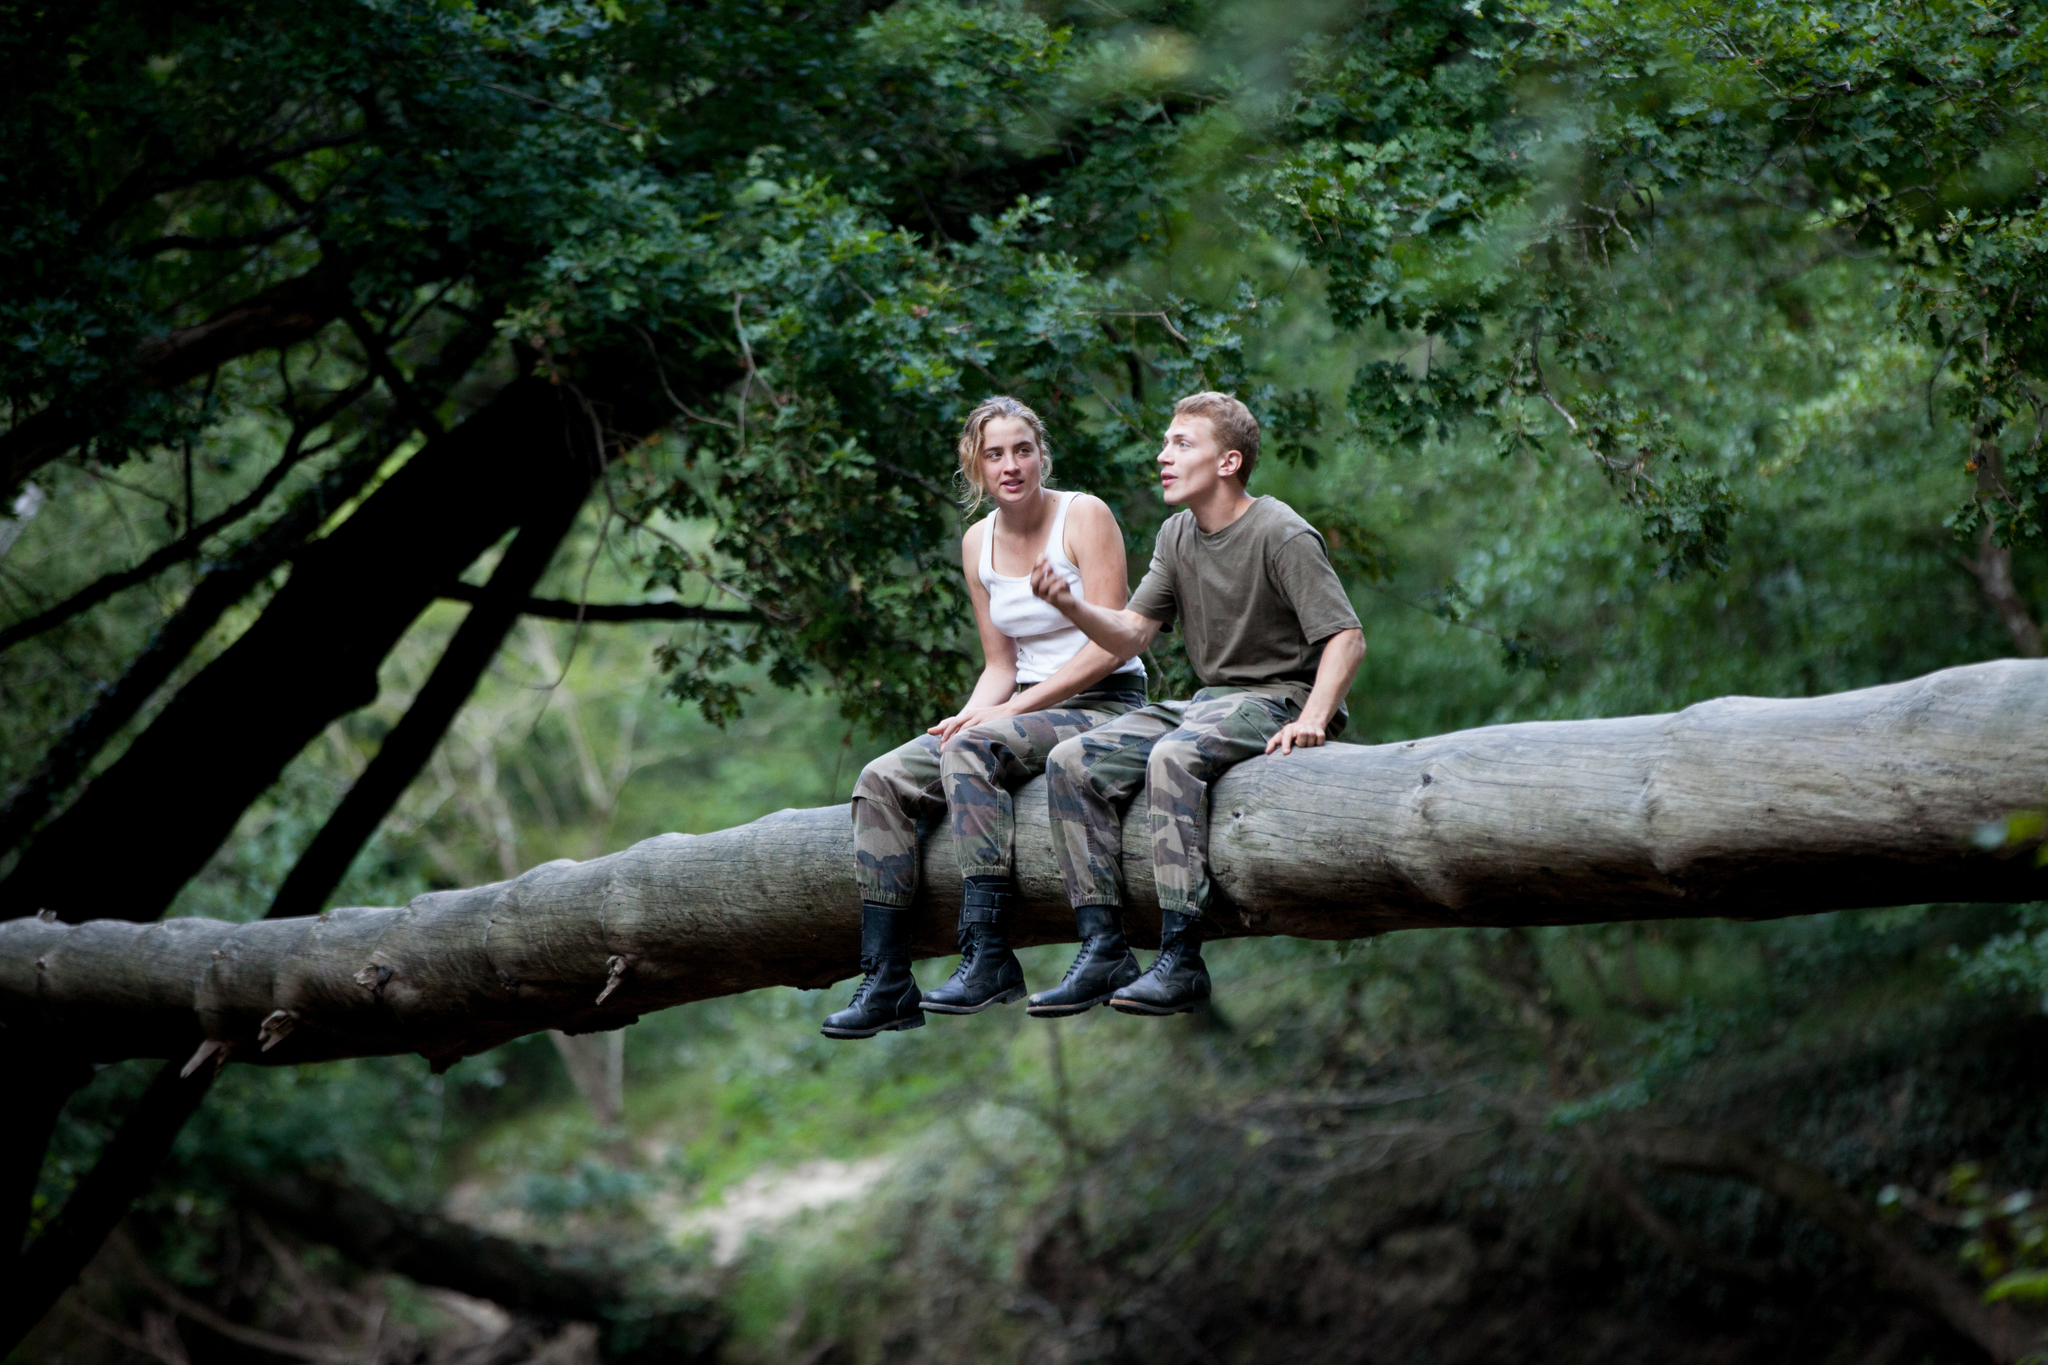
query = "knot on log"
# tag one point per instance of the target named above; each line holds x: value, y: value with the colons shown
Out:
x: 614, y: 972
x: 212, y: 1047
x: 276, y: 1027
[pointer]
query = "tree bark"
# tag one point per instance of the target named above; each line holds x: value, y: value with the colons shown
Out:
x: 1741, y: 807
x: 1992, y: 566
x: 310, y: 658
x: 2002, y: 1334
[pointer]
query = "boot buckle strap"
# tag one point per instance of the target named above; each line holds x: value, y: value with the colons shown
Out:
x: 981, y: 906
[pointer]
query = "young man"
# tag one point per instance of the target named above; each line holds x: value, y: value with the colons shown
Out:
x: 1274, y: 640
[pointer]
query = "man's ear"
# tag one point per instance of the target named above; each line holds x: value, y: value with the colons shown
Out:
x: 1232, y: 461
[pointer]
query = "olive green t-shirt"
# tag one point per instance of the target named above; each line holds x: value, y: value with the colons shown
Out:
x: 1255, y: 600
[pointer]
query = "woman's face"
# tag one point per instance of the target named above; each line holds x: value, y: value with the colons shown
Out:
x: 1011, y: 468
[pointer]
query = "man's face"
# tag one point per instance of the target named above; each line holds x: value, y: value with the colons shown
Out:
x: 1190, y: 465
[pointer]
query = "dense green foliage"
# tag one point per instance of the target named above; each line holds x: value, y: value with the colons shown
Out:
x: 1627, y: 355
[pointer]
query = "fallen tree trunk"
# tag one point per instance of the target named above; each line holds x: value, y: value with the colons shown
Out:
x: 1741, y: 807
x: 523, y: 1277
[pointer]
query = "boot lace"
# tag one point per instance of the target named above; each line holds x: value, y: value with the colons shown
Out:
x: 969, y: 944
x: 1074, y: 967
x: 1170, y: 950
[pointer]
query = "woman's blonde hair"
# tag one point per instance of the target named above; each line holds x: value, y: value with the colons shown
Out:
x: 972, y: 490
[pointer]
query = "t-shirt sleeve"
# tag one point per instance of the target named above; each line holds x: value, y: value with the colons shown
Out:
x: 1155, y: 597
x: 1302, y: 567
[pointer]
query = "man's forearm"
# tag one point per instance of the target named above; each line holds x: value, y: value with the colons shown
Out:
x: 1342, y: 654
x: 1088, y: 667
x: 1124, y: 634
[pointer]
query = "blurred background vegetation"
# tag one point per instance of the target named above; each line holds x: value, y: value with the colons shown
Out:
x: 1421, y: 1148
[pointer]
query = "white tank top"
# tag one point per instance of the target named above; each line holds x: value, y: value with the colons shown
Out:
x: 1046, y: 640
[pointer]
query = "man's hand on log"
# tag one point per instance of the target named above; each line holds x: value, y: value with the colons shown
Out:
x: 1297, y: 734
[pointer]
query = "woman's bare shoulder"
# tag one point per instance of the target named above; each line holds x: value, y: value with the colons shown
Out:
x: 1092, y: 511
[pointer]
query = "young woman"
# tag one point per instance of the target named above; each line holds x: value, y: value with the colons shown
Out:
x: 1042, y: 682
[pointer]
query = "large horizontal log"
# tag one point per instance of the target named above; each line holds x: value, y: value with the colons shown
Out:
x: 1741, y: 807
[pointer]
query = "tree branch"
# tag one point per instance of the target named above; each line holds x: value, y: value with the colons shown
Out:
x: 1674, y: 1239
x: 39, y: 1085
x: 2002, y: 1333
x: 347, y: 601
x: 189, y: 544
x: 1743, y: 807
x: 227, y: 582
x: 224, y: 584
x: 279, y: 316
x: 561, y: 609
x: 377, y: 352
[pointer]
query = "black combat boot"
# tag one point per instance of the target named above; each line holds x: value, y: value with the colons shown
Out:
x: 989, y: 973
x: 1179, y: 979
x: 887, y: 996
x: 1105, y: 964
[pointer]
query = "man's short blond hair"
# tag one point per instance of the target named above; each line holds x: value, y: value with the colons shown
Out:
x: 1235, y: 427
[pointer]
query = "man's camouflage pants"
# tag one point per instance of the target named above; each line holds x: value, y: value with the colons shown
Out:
x: 971, y: 780
x: 1174, y: 750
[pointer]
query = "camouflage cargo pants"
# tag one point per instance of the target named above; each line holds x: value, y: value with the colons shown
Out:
x: 1174, y: 750
x: 970, y: 780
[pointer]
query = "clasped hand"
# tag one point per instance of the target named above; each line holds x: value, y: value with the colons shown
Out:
x: 1050, y: 585
x: 967, y: 720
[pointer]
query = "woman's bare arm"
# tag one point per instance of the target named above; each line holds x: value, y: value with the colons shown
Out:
x: 998, y: 651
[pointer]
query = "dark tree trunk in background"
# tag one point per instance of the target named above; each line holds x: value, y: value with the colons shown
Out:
x: 37, y: 1084
x: 311, y: 658
x: 48, y: 1267
x: 224, y: 584
x: 124, y: 1169
x: 411, y: 742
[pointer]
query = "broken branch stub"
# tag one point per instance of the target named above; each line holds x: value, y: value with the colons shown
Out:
x: 1740, y: 807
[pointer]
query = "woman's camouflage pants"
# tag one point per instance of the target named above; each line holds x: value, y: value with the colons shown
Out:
x: 1174, y: 750
x: 971, y: 779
